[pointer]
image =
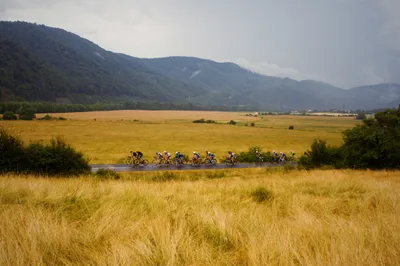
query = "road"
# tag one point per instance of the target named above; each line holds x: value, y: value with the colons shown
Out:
x: 186, y: 167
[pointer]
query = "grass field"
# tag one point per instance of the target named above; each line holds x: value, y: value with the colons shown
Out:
x: 113, y: 134
x: 306, y: 218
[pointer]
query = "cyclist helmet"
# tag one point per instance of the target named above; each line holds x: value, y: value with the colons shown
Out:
x: 165, y: 151
x: 194, y: 152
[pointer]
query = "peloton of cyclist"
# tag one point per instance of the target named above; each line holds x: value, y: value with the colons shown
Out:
x: 196, y: 157
x: 179, y: 157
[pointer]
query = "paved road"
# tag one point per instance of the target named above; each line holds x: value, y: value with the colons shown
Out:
x: 150, y: 167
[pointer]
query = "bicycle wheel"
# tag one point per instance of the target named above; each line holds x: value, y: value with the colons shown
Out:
x: 144, y: 162
x: 128, y: 160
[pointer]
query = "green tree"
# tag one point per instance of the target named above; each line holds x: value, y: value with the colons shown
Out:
x: 376, y: 143
x: 27, y: 113
x: 9, y: 116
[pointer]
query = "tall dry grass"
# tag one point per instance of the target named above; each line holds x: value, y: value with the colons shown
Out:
x: 309, y: 218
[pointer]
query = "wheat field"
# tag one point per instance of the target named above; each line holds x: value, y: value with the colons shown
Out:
x: 202, y: 218
x: 110, y: 137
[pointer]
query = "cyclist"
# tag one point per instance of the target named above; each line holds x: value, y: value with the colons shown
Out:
x: 259, y: 156
x: 179, y: 157
x: 167, y: 156
x: 231, y: 156
x: 210, y: 156
x: 275, y: 155
x: 139, y: 155
x: 283, y: 157
x: 133, y: 154
x: 196, y: 157
x: 292, y: 155
x: 159, y: 155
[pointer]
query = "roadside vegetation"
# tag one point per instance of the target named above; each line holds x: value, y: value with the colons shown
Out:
x: 249, y: 217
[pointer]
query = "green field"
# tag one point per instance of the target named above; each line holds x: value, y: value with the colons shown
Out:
x: 107, y: 137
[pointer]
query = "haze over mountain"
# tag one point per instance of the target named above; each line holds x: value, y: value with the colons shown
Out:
x: 49, y: 64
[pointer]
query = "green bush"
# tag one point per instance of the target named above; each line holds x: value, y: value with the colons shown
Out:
x: 261, y: 194
x: 61, y: 118
x: 26, y: 113
x: 251, y: 157
x: 9, y: 116
x: 202, y: 121
x: 107, y: 174
x: 46, y: 117
x: 232, y: 122
x: 12, y: 153
x: 322, y: 154
x: 252, y: 124
x: 55, y: 158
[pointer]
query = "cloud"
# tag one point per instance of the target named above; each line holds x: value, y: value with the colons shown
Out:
x: 269, y: 69
x: 390, y: 31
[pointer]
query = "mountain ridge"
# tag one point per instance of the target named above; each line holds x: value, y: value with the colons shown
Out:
x: 83, y: 72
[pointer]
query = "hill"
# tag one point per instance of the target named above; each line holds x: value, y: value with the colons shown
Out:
x: 50, y: 64
x: 92, y: 73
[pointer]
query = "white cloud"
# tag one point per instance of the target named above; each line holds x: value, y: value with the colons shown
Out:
x: 269, y: 69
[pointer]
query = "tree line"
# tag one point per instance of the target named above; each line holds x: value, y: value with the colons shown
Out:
x: 48, y: 107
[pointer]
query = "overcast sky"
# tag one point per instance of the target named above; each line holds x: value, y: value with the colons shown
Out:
x: 344, y: 42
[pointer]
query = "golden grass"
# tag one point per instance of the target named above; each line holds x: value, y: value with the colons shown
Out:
x: 110, y: 139
x: 150, y: 115
x: 313, y: 218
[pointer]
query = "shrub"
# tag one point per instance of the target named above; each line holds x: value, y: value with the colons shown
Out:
x: 12, y: 153
x: 107, y: 174
x: 291, y: 128
x: 26, y: 113
x: 61, y: 118
x: 46, y: 117
x: 261, y: 194
x: 56, y: 158
x: 202, y: 121
x: 252, y: 124
x: 251, y: 157
x: 232, y: 122
x: 9, y: 116
x: 322, y: 154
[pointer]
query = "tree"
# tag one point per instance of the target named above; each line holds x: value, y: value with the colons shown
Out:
x: 26, y: 113
x: 9, y: 116
x: 361, y: 116
x: 376, y: 143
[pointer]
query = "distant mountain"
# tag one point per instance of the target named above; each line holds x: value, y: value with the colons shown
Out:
x: 91, y: 71
x: 43, y: 63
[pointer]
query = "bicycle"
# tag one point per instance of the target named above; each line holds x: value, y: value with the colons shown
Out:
x: 141, y: 162
x: 196, y: 162
x: 210, y: 162
x: 178, y: 162
x: 129, y: 160
x: 230, y: 162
